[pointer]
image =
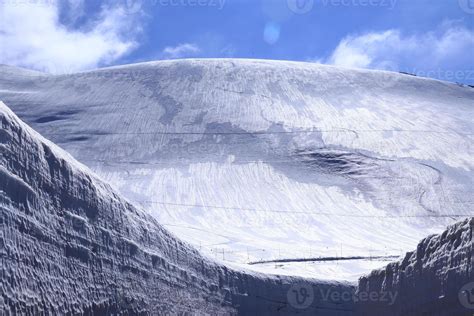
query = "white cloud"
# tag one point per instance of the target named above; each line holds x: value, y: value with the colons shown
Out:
x: 449, y: 48
x: 32, y: 36
x: 180, y: 51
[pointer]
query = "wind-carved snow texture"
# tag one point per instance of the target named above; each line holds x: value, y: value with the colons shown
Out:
x: 72, y: 246
x: 260, y: 160
x: 429, y: 280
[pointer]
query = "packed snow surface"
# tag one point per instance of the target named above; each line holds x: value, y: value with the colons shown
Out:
x: 260, y: 160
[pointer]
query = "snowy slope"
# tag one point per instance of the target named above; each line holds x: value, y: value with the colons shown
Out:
x: 72, y: 246
x: 252, y: 160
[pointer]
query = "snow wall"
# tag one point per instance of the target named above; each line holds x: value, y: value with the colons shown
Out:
x: 71, y: 245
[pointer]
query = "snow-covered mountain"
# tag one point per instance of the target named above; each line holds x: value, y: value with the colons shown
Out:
x: 71, y: 245
x: 250, y: 160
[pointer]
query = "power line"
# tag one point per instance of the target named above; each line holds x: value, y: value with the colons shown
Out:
x: 227, y: 208
x: 262, y: 132
x: 239, y: 241
x: 177, y: 161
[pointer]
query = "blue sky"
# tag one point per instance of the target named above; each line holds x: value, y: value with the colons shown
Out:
x: 429, y: 38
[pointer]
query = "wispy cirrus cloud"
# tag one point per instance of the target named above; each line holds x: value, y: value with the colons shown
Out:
x: 32, y: 36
